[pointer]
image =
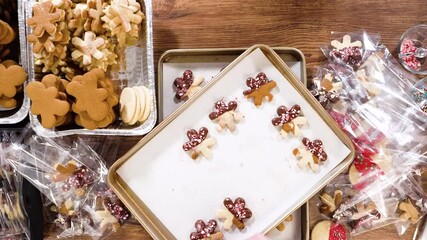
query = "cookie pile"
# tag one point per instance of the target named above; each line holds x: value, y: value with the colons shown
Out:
x: 50, y: 101
x: 94, y: 99
x: 135, y: 104
x: 7, y: 35
x: 88, y: 99
x: 50, y: 35
x: 88, y: 35
x: 81, y: 42
x: 12, y: 77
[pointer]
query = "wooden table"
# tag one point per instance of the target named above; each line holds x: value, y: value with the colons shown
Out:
x: 304, y: 24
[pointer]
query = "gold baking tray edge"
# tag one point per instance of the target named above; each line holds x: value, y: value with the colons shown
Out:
x: 143, y: 214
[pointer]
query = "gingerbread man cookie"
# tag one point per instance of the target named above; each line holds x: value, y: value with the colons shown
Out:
x: 187, y: 85
x: 46, y: 102
x: 10, y: 79
x: 206, y: 231
x: 330, y: 203
x: 7, y: 102
x: 409, y: 211
x: 311, y: 154
x: 106, y: 219
x: 226, y: 115
x: 78, y: 20
x: 89, y: 98
x: 235, y: 213
x: 260, y: 88
x: 63, y: 172
x: 7, y: 35
x: 370, y: 73
x: 290, y: 120
x: 199, y: 143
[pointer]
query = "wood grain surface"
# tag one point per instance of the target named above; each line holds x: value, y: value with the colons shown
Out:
x: 304, y: 24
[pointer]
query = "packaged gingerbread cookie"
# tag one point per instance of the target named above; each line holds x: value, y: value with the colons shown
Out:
x: 72, y: 177
x: 14, y: 217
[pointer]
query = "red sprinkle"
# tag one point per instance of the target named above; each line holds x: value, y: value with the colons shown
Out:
x: 411, y: 61
x: 204, y: 231
x: 238, y: 208
x: 221, y: 108
x: 337, y: 232
x: 316, y: 148
x: 195, y: 138
x: 286, y: 115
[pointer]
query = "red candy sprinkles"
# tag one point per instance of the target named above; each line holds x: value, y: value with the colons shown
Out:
x: 195, y: 138
x: 221, y: 107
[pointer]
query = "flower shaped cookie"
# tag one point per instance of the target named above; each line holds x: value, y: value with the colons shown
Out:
x: 88, y: 48
x: 46, y: 15
x: 123, y: 18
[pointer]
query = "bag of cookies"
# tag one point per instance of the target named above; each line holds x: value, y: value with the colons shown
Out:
x: 13, y: 219
x: 376, y: 89
x: 73, y: 178
x: 395, y: 198
x: 372, y: 99
x: 350, y: 49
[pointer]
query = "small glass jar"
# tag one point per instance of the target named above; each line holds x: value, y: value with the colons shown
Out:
x: 411, y: 44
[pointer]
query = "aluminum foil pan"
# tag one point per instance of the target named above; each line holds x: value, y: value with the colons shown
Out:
x: 16, y: 115
x: 139, y: 72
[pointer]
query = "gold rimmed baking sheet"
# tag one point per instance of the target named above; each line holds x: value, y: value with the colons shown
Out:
x: 127, y: 179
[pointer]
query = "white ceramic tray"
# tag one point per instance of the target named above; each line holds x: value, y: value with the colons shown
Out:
x: 170, y: 191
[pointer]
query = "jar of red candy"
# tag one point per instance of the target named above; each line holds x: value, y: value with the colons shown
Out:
x: 412, y: 49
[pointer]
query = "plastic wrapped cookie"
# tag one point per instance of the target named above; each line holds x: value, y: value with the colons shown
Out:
x: 328, y: 230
